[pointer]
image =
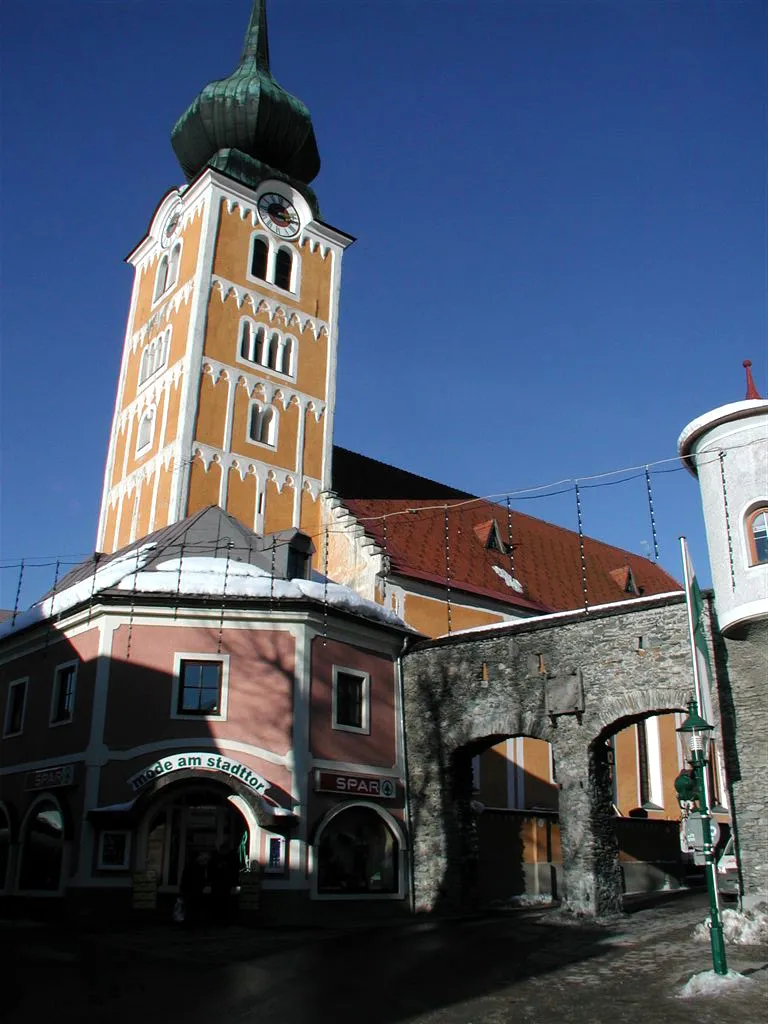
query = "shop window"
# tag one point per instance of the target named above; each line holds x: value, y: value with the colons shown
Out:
x: 351, y: 700
x: 42, y: 849
x: 262, y: 425
x: 757, y: 536
x: 14, y: 708
x: 114, y: 850
x: 63, y: 696
x: 358, y: 854
x: 200, y: 685
x: 275, y: 862
x: 5, y: 849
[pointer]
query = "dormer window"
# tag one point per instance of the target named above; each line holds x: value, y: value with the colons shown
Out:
x: 489, y: 535
x: 262, y: 424
x: 757, y: 535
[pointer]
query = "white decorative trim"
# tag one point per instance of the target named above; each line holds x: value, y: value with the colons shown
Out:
x: 149, y: 415
x: 365, y: 700
x: 273, y: 248
x: 55, y: 691
x: 219, y: 659
x: 272, y: 308
x: 749, y: 612
x: 21, y: 681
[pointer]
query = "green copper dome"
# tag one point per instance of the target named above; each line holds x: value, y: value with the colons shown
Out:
x: 246, y: 124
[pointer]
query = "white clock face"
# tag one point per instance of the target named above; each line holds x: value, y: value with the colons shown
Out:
x: 279, y: 214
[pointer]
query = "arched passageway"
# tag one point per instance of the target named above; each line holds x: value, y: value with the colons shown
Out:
x: 569, y: 682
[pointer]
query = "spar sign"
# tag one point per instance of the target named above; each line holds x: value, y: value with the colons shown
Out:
x: 198, y: 759
x: 383, y: 787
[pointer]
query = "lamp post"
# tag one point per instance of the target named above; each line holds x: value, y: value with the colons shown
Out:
x: 696, y: 729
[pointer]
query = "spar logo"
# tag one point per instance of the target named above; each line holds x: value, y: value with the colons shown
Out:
x: 383, y: 787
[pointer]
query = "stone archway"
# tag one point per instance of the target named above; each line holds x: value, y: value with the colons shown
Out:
x: 566, y: 679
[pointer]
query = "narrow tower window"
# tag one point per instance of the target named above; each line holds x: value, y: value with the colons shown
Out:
x: 259, y: 255
x: 173, y: 266
x: 262, y: 425
x: 283, y: 268
x: 757, y: 536
x: 144, y: 435
x: 161, y: 281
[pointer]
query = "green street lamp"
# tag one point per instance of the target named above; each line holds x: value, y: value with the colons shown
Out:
x: 696, y: 730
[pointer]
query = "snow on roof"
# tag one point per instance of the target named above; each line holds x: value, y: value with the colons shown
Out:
x: 198, y: 576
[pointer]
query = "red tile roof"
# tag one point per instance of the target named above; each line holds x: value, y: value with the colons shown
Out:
x: 546, y: 559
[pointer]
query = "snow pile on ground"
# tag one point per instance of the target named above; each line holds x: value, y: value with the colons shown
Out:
x: 522, y: 900
x: 740, y: 927
x: 710, y: 984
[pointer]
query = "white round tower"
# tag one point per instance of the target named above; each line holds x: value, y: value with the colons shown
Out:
x: 727, y: 449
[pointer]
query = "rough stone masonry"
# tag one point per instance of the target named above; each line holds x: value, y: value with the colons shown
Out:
x: 574, y: 681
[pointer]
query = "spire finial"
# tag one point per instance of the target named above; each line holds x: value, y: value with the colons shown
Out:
x: 752, y: 391
x: 256, y: 44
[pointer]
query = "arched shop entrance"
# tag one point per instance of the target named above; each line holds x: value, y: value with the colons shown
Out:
x: 188, y: 819
x: 360, y: 851
x: 42, y: 848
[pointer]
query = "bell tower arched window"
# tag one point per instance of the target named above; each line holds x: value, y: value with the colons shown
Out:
x: 283, y: 269
x: 259, y: 258
x: 757, y: 535
x: 262, y: 424
x: 167, y: 271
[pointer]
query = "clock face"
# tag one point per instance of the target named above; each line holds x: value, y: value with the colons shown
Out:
x: 170, y: 226
x: 279, y: 215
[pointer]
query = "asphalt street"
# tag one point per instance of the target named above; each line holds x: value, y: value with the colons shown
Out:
x: 516, y: 966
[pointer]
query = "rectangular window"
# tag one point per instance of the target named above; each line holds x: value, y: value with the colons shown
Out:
x: 14, y: 708
x: 114, y: 850
x: 63, y: 697
x: 275, y: 855
x: 350, y: 700
x: 644, y: 778
x: 199, y: 688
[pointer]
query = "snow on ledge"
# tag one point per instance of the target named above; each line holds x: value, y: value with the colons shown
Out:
x: 198, y: 576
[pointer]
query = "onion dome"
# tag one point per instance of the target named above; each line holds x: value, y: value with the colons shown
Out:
x: 246, y: 124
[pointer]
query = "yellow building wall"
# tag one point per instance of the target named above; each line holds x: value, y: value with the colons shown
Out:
x: 109, y: 530
x: 190, y: 244
x: 163, y: 496
x: 204, y: 486
x: 313, y: 445
x: 126, y: 517
x: 212, y: 410
x: 431, y: 617
x: 625, y: 769
x: 287, y: 431
x: 241, y: 497
x: 145, y: 506
x: 231, y: 262
x: 120, y: 443
x: 133, y: 460
x: 540, y: 791
x: 312, y: 526
x: 178, y: 321
x: 278, y: 508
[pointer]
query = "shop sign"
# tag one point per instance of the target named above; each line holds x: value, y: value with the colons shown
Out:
x: 202, y: 760
x: 384, y: 788
x: 51, y: 778
x: 250, y: 890
x: 144, y: 890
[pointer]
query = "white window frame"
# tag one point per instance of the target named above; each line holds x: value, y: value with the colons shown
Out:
x: 365, y: 700
x: 150, y: 413
x: 156, y: 351
x: 221, y: 659
x: 127, y: 857
x: 747, y: 543
x: 274, y: 424
x: 57, y: 673
x: 22, y: 681
x: 272, y: 250
x: 171, y: 280
x: 279, y: 868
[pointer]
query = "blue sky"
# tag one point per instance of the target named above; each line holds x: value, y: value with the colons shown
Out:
x: 560, y: 210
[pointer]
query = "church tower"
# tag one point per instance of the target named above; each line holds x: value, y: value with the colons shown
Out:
x: 227, y: 382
